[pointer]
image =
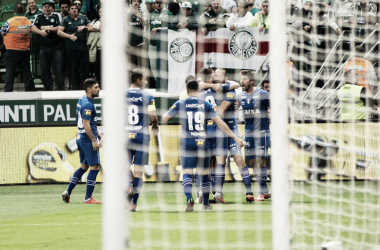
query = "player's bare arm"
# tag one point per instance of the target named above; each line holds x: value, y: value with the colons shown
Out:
x: 154, y: 121
x: 166, y: 117
x: 233, y: 85
x: 215, y: 87
x: 223, y: 126
x: 87, y: 128
x: 223, y: 107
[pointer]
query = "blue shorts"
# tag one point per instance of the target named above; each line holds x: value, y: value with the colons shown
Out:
x: 138, y: 153
x: 257, y: 146
x: 194, y: 162
x: 87, y: 155
x: 222, y: 144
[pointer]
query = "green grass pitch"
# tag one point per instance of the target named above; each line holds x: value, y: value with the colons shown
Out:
x: 34, y: 217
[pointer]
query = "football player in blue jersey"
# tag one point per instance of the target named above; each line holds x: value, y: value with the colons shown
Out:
x: 226, y: 110
x: 255, y: 104
x: 213, y: 93
x: 194, y: 113
x: 87, y: 141
x: 140, y: 107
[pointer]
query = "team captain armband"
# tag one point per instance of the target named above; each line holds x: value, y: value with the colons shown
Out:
x: 151, y: 108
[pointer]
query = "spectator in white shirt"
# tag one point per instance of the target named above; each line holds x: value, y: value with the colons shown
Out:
x: 240, y: 18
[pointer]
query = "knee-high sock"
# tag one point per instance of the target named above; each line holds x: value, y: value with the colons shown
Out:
x: 137, y: 185
x: 74, y: 180
x: 263, y: 180
x: 220, y: 174
x: 206, y: 189
x: 129, y: 179
x: 212, y: 177
x: 246, y: 179
x: 187, y: 184
x: 91, y: 181
x: 197, y: 183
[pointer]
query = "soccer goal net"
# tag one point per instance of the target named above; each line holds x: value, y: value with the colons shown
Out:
x: 316, y: 63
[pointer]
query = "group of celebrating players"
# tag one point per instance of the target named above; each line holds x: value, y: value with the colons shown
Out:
x: 208, y: 132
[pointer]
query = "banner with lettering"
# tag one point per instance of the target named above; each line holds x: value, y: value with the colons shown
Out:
x: 242, y: 49
x: 181, y: 50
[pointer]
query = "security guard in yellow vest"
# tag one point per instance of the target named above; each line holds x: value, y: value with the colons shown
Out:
x: 353, y: 99
x: 16, y: 32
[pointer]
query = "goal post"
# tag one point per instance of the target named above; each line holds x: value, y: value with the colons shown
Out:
x: 114, y: 79
x: 279, y: 128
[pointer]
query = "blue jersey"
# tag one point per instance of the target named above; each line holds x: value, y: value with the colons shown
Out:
x: 215, y: 99
x: 139, y: 103
x: 193, y: 114
x: 86, y: 111
x: 255, y: 108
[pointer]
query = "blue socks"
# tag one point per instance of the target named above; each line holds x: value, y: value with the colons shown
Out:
x: 187, y: 184
x: 220, y: 175
x: 137, y: 185
x: 74, y: 180
x: 246, y: 179
x: 197, y: 183
x: 91, y: 181
x: 129, y: 178
x: 263, y: 180
x: 261, y: 177
x: 206, y: 189
x: 212, y: 176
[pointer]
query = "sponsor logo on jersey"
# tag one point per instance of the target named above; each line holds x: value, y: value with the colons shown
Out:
x: 195, y: 105
x: 248, y: 101
x: 210, y: 123
x: 200, y: 142
x: 134, y: 99
x: 153, y: 102
x: 181, y: 49
x: 87, y: 112
x: 230, y: 95
x: 201, y: 134
x: 214, y: 108
x: 243, y: 45
x: 251, y: 111
x: 173, y: 107
x: 132, y: 135
x: 247, y: 143
x: 155, y: 22
x: 78, y: 136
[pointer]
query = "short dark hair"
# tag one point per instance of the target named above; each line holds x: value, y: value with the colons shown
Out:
x: 264, y: 82
x: 87, y: 84
x: 136, y: 74
x: 359, y: 48
x: 250, y: 74
x: 71, y: 5
x: 18, y: 9
x: 205, y: 73
x: 64, y: 2
x: 192, y: 86
x: 188, y: 78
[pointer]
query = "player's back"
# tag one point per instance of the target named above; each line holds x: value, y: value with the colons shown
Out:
x: 86, y: 111
x: 193, y: 113
x: 137, y: 123
x: 255, y: 108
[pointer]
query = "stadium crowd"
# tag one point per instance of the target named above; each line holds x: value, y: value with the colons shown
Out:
x: 70, y: 41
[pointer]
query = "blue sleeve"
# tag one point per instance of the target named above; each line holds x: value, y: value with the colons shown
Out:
x: 210, y: 110
x: 151, y: 101
x: 173, y: 111
x: 230, y: 97
x: 226, y: 87
x: 267, y: 102
x: 87, y: 111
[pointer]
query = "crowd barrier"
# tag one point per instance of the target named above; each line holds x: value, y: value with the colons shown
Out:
x: 38, y: 144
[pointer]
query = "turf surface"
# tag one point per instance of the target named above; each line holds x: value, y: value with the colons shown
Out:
x: 34, y: 217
